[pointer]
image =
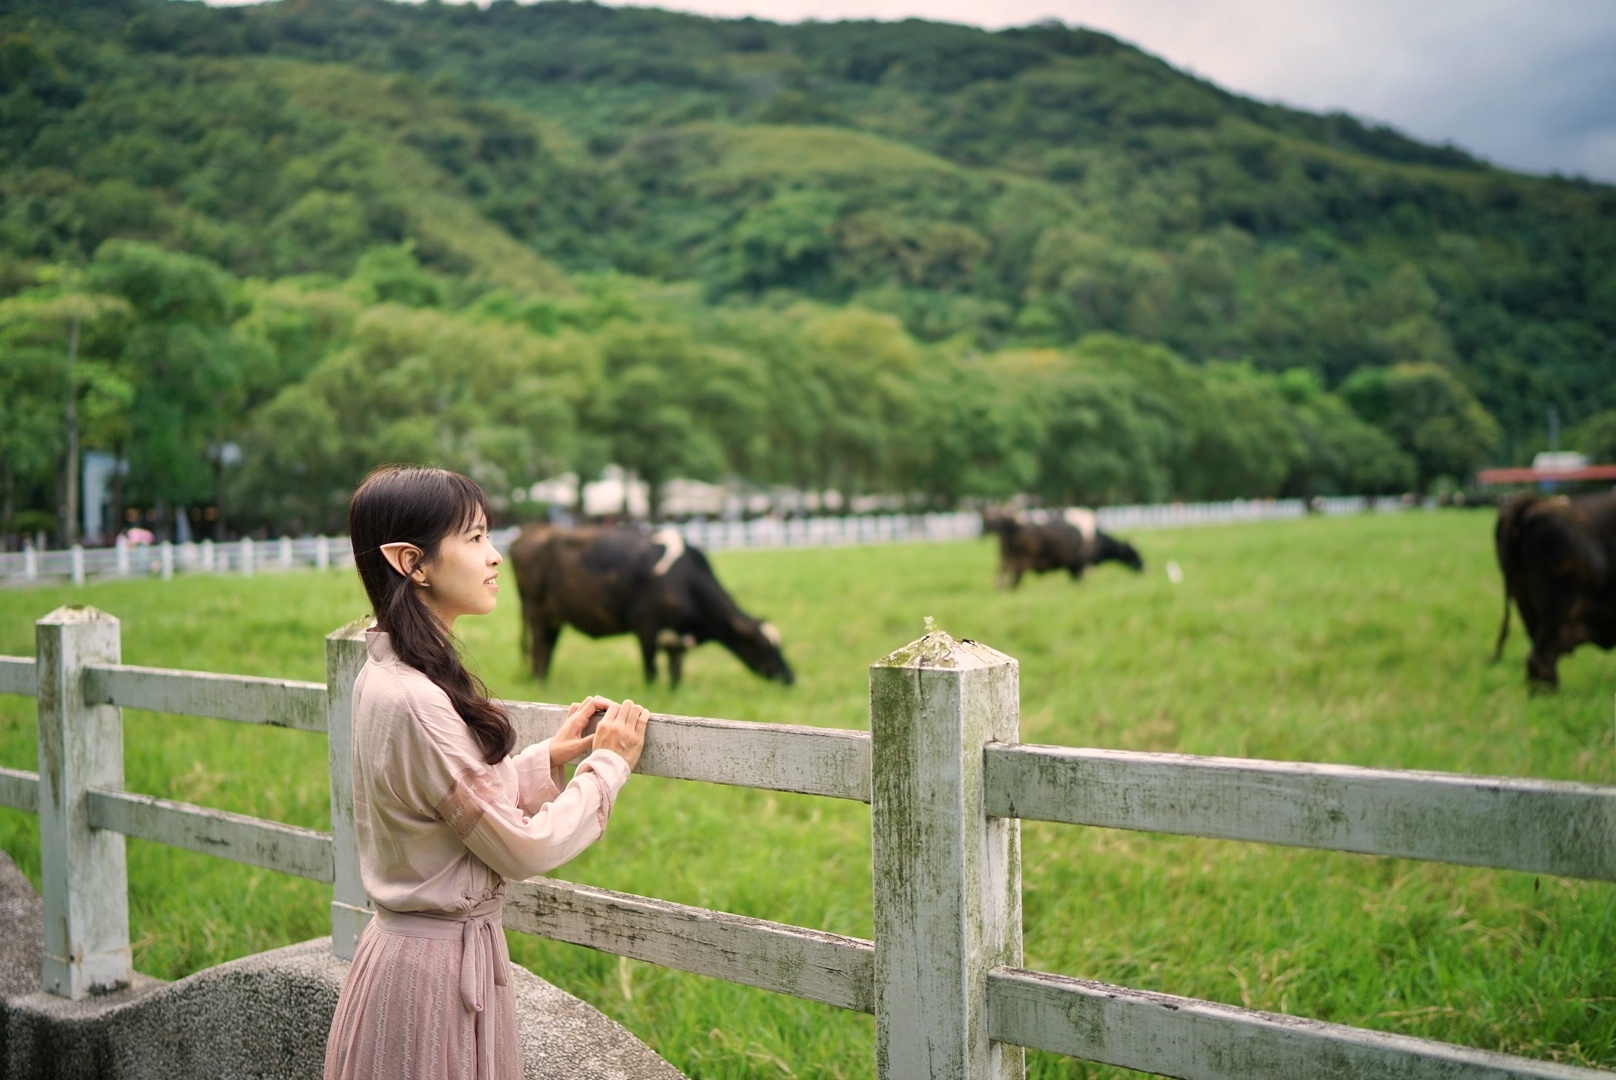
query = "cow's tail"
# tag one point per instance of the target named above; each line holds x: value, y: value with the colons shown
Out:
x: 1507, y: 542
x: 1503, y: 629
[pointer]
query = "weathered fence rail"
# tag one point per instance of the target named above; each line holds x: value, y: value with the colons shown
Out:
x: 287, y: 848
x: 249, y: 557
x: 828, y: 968
x: 244, y: 698
x: 1539, y: 826
x: 947, y: 781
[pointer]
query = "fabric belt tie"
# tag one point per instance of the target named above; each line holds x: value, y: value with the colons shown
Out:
x: 479, y: 958
x: 479, y: 945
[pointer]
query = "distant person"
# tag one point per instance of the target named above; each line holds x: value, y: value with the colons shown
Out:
x: 444, y: 811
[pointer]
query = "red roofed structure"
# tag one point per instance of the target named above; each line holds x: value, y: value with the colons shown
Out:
x: 1533, y: 476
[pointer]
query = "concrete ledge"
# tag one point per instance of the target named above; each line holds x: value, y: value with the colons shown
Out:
x: 263, y: 1017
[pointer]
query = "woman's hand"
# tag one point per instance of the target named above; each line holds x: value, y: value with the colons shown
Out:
x: 622, y: 730
x: 574, y: 739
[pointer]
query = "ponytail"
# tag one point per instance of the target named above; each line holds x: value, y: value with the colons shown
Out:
x: 421, y: 506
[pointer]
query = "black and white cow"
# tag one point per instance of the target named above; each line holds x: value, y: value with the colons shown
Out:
x: 608, y: 581
x: 1071, y: 541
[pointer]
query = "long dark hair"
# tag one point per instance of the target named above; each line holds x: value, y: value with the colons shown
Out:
x: 416, y: 505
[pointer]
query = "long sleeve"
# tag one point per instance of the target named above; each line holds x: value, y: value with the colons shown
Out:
x: 517, y: 833
x: 439, y: 828
x: 538, y: 779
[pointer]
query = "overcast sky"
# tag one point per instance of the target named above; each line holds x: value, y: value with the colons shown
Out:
x: 1529, y: 84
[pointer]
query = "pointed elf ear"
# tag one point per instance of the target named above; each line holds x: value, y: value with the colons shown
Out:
x: 405, y: 558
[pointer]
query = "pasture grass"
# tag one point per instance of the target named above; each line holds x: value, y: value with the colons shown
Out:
x: 1361, y: 640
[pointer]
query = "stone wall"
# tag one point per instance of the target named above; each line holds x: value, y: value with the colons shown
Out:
x: 262, y: 1017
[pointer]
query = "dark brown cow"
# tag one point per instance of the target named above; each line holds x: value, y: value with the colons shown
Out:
x: 1558, y: 555
x: 609, y: 581
x: 1072, y: 542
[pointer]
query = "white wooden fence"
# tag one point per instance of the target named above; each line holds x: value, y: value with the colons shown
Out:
x: 245, y: 556
x: 248, y: 557
x: 947, y: 783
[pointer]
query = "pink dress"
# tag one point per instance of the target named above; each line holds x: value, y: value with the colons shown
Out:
x: 428, y: 995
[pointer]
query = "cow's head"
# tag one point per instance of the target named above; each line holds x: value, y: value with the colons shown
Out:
x: 758, y: 647
x: 1001, y: 520
x: 1113, y: 550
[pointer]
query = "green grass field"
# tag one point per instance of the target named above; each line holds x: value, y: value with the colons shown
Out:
x: 1355, y: 640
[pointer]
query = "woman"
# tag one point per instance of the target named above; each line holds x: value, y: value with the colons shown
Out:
x: 443, y: 810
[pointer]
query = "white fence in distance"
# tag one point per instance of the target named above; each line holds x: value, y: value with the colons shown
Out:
x: 248, y: 557
x: 245, y: 556
x: 946, y: 779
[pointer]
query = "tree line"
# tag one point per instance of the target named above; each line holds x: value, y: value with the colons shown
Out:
x: 269, y: 399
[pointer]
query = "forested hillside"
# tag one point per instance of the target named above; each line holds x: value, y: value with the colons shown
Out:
x: 903, y: 257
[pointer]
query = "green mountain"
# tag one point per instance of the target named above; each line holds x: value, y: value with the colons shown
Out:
x: 994, y: 191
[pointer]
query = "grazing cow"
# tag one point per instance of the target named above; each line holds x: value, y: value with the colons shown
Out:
x: 1072, y: 542
x: 1558, y: 555
x: 607, y: 581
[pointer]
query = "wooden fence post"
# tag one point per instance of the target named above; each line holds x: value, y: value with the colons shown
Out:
x: 350, y: 908
x: 947, y: 878
x: 85, y: 878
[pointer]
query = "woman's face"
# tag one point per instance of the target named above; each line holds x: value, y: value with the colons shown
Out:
x: 463, y: 578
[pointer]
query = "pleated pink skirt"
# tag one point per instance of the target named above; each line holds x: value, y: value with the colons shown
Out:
x: 426, y: 999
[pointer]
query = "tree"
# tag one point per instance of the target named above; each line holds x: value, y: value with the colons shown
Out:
x: 1431, y: 416
x: 1098, y: 446
x: 194, y: 377
x: 36, y: 322
x: 1595, y: 437
x: 1095, y: 434
x: 967, y: 436
x: 666, y: 406
x: 490, y: 399
x: 1341, y: 453
x: 786, y: 241
x: 867, y: 365
x: 30, y: 437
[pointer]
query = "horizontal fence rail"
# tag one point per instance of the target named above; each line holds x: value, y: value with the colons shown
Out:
x: 238, y: 837
x: 1203, y: 1040
x: 833, y: 762
x: 811, y: 964
x: 242, y: 698
x: 17, y: 675
x: 19, y: 790
x: 1538, y: 826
